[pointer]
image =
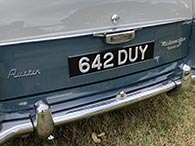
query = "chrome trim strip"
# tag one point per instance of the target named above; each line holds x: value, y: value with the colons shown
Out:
x: 15, y: 128
x: 114, y: 103
x: 135, y: 26
x: 193, y: 77
x: 22, y: 127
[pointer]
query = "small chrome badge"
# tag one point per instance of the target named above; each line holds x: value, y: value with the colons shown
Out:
x: 172, y: 44
x: 121, y: 37
x: 14, y: 73
x: 115, y: 18
x: 121, y: 95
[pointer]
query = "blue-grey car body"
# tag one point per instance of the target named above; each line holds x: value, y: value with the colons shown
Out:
x: 37, y: 39
x: 49, y: 60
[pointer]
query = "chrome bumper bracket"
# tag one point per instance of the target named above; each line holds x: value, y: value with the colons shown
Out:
x: 186, y: 81
x: 43, y: 123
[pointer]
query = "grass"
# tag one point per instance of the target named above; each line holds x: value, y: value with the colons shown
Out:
x: 160, y: 121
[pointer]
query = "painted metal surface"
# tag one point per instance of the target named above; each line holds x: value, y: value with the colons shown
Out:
x: 37, y: 37
x: 23, y: 20
x: 191, y: 58
x: 33, y: 68
x: 193, y: 8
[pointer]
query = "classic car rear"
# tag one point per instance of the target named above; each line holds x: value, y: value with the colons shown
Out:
x: 65, y: 60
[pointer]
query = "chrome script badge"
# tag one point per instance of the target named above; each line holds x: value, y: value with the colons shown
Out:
x: 14, y: 73
x: 172, y: 44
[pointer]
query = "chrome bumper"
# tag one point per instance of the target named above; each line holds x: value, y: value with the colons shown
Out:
x: 44, y: 122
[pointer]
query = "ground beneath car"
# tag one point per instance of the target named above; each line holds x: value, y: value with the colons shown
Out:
x: 160, y: 121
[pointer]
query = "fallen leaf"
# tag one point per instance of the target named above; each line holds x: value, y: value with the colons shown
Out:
x: 101, y: 134
x: 95, y: 138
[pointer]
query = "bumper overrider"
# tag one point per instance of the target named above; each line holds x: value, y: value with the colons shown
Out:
x: 43, y: 120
